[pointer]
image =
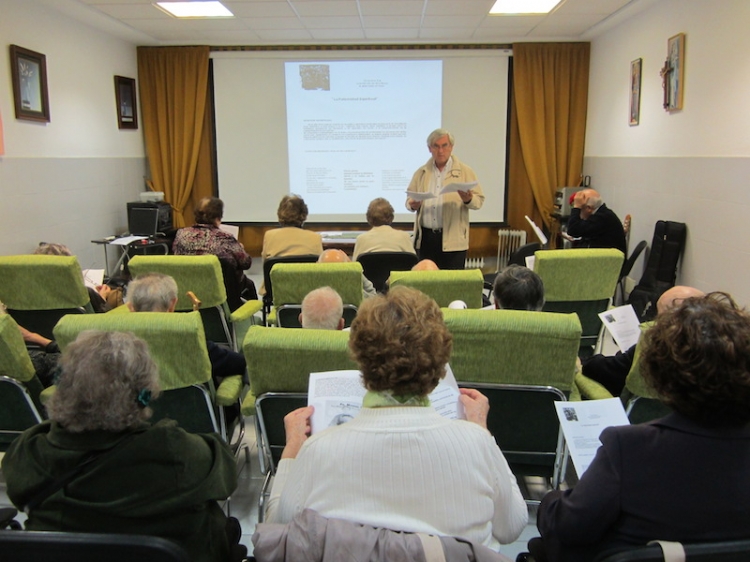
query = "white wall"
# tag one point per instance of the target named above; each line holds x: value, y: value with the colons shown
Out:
x: 692, y: 165
x: 67, y: 180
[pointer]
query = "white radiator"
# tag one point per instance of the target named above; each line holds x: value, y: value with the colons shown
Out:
x: 509, y: 241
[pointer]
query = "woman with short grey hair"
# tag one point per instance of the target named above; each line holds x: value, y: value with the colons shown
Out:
x: 98, y: 466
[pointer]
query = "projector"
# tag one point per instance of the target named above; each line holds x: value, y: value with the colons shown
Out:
x: 152, y: 196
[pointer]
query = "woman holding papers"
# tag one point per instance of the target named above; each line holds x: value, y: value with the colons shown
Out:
x: 399, y: 464
x: 685, y: 477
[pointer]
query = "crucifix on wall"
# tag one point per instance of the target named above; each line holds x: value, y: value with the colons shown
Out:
x: 673, y: 73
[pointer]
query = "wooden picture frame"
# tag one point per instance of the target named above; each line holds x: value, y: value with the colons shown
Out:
x: 673, y: 73
x: 30, y: 95
x: 635, y: 91
x: 127, y: 108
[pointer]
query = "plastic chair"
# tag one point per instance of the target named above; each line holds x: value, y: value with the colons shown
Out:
x: 28, y: 546
x: 292, y: 282
x: 268, y: 282
x: 445, y: 286
x: 377, y: 266
x: 722, y: 551
x: 38, y: 290
x: 20, y: 408
x: 177, y: 344
x: 201, y: 275
x: 581, y: 281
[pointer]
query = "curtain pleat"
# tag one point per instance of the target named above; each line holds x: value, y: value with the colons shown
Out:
x: 548, y: 126
x: 173, y: 85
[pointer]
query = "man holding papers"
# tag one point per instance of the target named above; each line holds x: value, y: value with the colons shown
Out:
x: 399, y: 464
x: 442, y: 192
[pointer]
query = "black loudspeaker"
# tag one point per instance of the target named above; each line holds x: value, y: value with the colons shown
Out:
x: 148, y: 219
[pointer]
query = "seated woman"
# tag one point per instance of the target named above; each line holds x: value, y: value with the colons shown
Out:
x: 98, y: 466
x: 205, y: 237
x: 382, y: 237
x: 399, y: 464
x: 685, y: 477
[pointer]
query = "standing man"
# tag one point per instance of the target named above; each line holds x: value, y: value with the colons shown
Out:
x: 441, y: 227
x: 594, y: 225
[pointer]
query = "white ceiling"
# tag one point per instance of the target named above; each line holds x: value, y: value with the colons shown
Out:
x: 294, y: 22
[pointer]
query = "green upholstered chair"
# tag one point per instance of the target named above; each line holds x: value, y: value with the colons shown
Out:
x: 177, y: 344
x: 202, y: 276
x: 20, y: 408
x: 279, y: 362
x: 581, y: 281
x: 292, y: 281
x: 642, y: 403
x: 268, y: 265
x: 523, y: 361
x: 39, y: 290
x: 445, y: 286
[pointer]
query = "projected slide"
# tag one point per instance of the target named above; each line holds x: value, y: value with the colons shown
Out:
x: 356, y: 129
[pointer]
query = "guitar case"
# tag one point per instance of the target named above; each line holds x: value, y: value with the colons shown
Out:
x: 660, y: 273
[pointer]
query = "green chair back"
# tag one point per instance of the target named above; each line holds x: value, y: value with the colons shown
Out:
x: 199, y: 274
x: 19, y: 387
x: 445, y: 286
x: 281, y: 359
x: 292, y: 281
x: 177, y: 342
x: 585, y: 274
x: 514, y: 347
x: 38, y: 290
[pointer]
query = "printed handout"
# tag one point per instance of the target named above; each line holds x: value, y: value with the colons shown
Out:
x: 622, y: 323
x: 337, y: 397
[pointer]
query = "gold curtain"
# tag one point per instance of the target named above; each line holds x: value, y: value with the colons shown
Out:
x: 548, y: 126
x: 173, y: 85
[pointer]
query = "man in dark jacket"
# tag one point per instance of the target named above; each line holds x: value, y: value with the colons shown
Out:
x: 594, y: 225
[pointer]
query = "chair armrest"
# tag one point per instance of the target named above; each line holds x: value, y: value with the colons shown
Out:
x: 248, y: 405
x: 589, y: 389
x: 47, y: 393
x: 246, y: 311
x: 229, y: 391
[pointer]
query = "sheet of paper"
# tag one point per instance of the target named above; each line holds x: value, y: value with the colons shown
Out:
x: 583, y: 422
x: 537, y: 230
x: 530, y: 261
x: 125, y: 240
x: 230, y: 229
x: 420, y: 195
x: 622, y: 323
x: 337, y: 397
x: 93, y: 277
x: 454, y: 187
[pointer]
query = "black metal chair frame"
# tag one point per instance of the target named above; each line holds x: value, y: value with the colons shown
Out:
x: 377, y: 266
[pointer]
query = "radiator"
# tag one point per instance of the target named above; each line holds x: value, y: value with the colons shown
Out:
x: 509, y: 241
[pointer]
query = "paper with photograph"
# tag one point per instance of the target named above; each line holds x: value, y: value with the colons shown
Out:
x: 583, y: 422
x: 622, y: 323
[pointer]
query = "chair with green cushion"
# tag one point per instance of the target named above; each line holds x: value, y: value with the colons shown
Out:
x: 524, y: 361
x: 292, y: 282
x: 177, y: 344
x: 39, y: 289
x: 202, y: 276
x: 279, y: 362
x: 581, y: 281
x: 642, y: 403
x: 20, y: 408
x: 445, y: 286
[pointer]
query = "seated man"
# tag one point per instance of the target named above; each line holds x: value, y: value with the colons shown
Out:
x: 322, y: 309
x: 518, y: 288
x: 425, y: 265
x: 156, y: 292
x: 611, y: 371
x: 339, y: 256
x: 593, y: 225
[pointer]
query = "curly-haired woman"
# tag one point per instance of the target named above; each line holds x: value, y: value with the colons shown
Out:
x: 685, y: 477
x: 399, y: 464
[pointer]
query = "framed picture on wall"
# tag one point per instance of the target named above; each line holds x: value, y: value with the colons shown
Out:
x: 673, y: 73
x: 127, y: 109
x: 635, y: 91
x: 29, y: 73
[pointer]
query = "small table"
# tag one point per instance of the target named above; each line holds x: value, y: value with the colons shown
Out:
x: 129, y: 247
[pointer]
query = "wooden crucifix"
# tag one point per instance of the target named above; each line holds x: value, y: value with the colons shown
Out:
x: 665, y: 74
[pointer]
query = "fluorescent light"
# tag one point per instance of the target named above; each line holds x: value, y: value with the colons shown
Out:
x: 195, y: 9
x: 523, y: 6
